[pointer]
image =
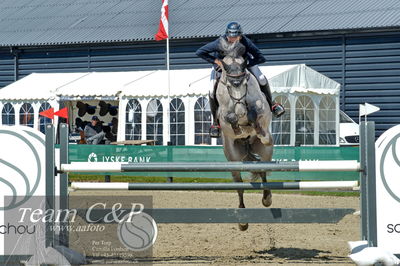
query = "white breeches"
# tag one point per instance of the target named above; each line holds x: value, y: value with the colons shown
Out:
x: 255, y: 70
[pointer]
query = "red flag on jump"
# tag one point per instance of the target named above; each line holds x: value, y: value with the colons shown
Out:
x: 62, y: 112
x: 49, y: 113
x: 163, y: 27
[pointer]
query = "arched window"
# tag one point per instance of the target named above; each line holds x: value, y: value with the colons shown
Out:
x: 26, y: 115
x: 154, y: 123
x: 8, y: 114
x: 281, y: 125
x: 327, y: 121
x: 304, y: 121
x: 43, y: 121
x: 202, y: 121
x: 177, y: 122
x: 133, y: 118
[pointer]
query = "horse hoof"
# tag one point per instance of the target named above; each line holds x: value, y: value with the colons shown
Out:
x: 237, y: 131
x: 264, y: 140
x: 267, y: 201
x: 243, y: 227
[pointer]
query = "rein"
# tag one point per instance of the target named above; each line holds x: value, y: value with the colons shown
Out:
x: 236, y: 100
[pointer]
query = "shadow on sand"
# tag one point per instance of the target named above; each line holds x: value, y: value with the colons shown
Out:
x: 291, y: 254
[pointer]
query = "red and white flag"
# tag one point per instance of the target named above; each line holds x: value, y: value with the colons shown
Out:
x: 163, y: 27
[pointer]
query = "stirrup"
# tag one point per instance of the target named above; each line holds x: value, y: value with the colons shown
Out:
x: 215, y: 131
x: 278, y: 110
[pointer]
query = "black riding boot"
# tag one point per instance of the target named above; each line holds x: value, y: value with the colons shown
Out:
x: 276, y: 108
x: 215, y: 127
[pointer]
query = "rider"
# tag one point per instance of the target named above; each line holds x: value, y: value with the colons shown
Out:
x: 213, y: 54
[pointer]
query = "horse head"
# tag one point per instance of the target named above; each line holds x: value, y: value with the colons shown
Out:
x: 235, y: 71
x: 234, y: 62
x: 234, y: 79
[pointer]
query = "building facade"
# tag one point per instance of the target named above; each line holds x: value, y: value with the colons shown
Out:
x: 356, y: 43
x: 367, y: 65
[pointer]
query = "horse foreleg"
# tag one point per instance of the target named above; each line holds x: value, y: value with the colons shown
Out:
x: 237, y: 178
x: 264, y: 135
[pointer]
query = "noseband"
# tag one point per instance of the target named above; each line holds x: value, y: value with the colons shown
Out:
x: 235, y: 76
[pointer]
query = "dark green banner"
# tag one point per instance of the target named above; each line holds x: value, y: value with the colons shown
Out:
x: 144, y: 154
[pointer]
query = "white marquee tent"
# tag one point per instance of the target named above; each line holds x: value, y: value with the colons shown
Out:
x: 288, y: 82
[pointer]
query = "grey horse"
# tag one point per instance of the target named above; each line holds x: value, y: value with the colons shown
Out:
x: 244, y: 116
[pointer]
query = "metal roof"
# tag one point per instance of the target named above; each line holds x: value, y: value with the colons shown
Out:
x: 43, y: 22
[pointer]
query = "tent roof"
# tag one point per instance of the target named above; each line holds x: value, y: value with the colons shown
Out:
x: 285, y: 79
x: 101, y: 83
x: 37, y: 86
x: 181, y: 83
x: 299, y: 78
x: 45, y: 86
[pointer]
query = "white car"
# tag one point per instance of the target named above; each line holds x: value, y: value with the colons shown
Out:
x: 349, y: 131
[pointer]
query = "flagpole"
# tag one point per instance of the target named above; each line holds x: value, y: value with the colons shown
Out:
x: 169, y: 96
x: 162, y: 34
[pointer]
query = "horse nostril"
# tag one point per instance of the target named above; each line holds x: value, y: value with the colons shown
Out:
x: 236, y: 83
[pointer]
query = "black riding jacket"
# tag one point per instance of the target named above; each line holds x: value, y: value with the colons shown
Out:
x: 211, y: 51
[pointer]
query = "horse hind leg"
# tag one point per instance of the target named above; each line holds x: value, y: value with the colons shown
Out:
x: 237, y: 178
x: 235, y: 151
x: 265, y: 152
x: 267, y: 195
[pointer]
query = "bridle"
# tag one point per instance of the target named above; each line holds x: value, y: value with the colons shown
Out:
x: 234, y: 99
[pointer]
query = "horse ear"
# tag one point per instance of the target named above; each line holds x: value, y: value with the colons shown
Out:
x: 240, y: 50
x: 243, y: 65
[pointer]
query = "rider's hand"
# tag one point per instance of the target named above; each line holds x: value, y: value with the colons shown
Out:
x: 219, y: 65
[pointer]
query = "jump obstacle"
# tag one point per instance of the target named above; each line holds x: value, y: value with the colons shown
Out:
x: 236, y: 215
x: 365, y: 166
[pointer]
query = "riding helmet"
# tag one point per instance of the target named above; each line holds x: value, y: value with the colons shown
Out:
x: 233, y: 29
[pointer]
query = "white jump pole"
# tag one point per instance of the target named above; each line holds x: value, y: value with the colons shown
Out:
x: 306, y: 166
x: 339, y: 165
x: 319, y: 185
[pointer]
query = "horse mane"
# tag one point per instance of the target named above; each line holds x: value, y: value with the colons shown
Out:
x: 234, y: 50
